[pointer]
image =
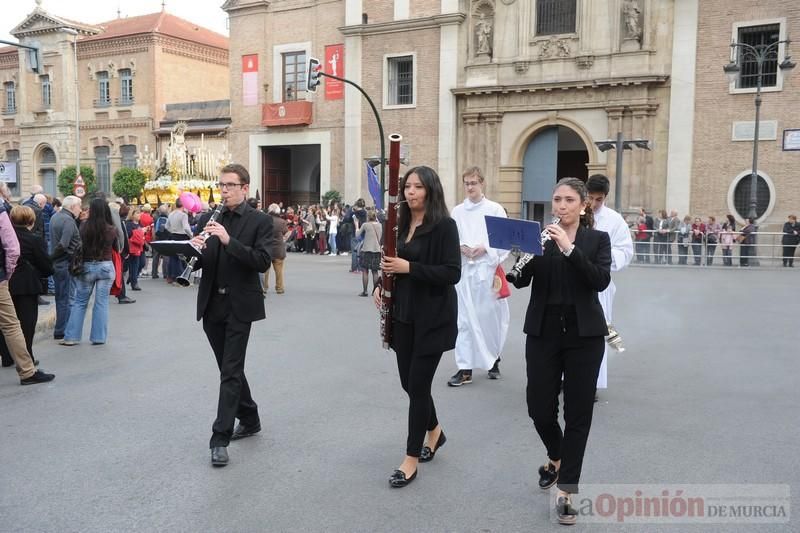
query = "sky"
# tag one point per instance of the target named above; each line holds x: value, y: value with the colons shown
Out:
x: 206, y: 13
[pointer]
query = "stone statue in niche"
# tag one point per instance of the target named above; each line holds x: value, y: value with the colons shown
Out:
x: 483, y: 33
x: 632, y: 15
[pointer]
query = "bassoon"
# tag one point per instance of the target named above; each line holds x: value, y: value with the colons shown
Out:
x: 390, y: 237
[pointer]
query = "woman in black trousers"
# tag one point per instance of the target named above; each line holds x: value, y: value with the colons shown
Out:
x: 790, y: 240
x: 25, y: 284
x: 425, y: 308
x: 565, y: 329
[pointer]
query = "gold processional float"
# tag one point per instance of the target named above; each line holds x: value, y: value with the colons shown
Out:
x: 181, y: 170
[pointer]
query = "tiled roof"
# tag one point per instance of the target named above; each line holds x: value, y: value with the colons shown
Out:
x: 163, y: 23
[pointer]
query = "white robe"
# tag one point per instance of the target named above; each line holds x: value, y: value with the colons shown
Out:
x: 482, y: 317
x: 611, y: 222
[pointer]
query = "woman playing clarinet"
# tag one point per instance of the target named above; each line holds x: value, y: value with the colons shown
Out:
x: 424, y: 307
x: 565, y: 330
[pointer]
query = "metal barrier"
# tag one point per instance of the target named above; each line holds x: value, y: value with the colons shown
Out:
x: 767, y: 251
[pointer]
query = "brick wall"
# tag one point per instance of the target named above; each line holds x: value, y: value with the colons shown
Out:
x: 716, y: 159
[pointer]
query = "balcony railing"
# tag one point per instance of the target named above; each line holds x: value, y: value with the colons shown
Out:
x: 102, y: 102
x: 124, y: 101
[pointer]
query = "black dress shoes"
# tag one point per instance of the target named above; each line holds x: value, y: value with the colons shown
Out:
x: 428, y: 454
x: 548, y: 475
x: 219, y: 456
x: 398, y: 479
x: 243, y: 431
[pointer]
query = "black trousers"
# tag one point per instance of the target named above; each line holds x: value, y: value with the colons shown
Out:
x: 555, y: 353
x: 27, y: 309
x: 416, y: 377
x: 228, y: 338
x: 788, y: 255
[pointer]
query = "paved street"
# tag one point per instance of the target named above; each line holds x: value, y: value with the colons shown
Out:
x: 705, y: 393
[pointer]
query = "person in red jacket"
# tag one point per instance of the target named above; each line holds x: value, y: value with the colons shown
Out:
x: 135, y: 249
x: 146, y: 223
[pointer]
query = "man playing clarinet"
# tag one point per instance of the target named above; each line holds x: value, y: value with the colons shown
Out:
x: 229, y: 300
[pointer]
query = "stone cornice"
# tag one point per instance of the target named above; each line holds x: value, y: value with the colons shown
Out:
x: 564, y: 85
x: 102, y: 125
x: 108, y: 47
x: 191, y: 50
x: 9, y: 59
x: 395, y: 26
x: 238, y: 8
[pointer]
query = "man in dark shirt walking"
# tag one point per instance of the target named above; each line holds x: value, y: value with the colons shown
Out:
x: 234, y: 254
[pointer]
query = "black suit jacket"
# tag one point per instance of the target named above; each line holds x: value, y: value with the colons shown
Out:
x: 247, y: 254
x: 433, y: 295
x: 587, y: 270
x: 33, y: 264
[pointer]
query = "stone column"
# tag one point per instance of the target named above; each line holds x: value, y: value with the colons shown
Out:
x: 470, y: 138
x: 492, y: 146
x: 635, y: 189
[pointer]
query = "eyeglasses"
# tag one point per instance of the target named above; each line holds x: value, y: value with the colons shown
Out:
x: 229, y: 185
x: 471, y: 183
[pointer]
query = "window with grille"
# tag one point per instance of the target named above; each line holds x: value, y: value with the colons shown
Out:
x: 294, y: 76
x: 741, y: 196
x: 44, y: 80
x: 125, y: 86
x: 758, y: 37
x: 102, y: 168
x: 103, y: 90
x: 401, y: 80
x: 128, y: 152
x: 11, y: 98
x: 555, y: 16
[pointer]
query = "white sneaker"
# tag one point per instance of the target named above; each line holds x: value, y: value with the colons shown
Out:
x: 345, y: 253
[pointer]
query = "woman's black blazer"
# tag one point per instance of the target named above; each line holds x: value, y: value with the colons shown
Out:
x: 433, y: 295
x: 32, y: 265
x: 587, y: 270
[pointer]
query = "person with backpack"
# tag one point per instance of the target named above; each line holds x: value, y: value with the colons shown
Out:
x: 160, y: 232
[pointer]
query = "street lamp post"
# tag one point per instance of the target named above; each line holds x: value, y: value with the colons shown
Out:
x: 619, y: 145
x: 759, y: 53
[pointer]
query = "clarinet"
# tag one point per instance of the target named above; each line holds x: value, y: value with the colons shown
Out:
x: 390, y: 237
x: 185, y: 278
x: 516, y: 271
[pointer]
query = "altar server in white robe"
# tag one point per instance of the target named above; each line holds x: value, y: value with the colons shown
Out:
x: 482, y: 316
x: 608, y: 220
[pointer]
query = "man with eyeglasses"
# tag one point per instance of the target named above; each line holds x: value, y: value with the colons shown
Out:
x: 482, y: 316
x: 229, y: 300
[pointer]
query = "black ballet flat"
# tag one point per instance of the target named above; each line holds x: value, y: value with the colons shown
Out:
x: 427, y: 454
x: 548, y: 475
x: 398, y: 479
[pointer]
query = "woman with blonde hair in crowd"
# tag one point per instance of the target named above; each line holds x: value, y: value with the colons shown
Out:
x: 369, y: 258
x: 25, y: 284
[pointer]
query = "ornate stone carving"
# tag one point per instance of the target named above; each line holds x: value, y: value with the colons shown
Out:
x: 132, y: 66
x: 554, y: 47
x: 584, y: 62
x: 112, y: 69
x: 521, y: 67
x: 632, y: 18
x: 90, y: 68
x: 508, y: 2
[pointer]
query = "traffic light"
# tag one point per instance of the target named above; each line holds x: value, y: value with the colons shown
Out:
x: 313, y: 76
x: 34, y: 56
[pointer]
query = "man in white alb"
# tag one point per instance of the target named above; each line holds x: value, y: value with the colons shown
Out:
x: 482, y: 316
x: 608, y: 220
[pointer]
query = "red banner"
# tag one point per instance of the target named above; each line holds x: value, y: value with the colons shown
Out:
x: 250, y: 80
x: 334, y: 64
x: 286, y: 114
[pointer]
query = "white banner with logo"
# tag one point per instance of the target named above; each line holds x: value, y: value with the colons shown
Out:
x: 8, y: 171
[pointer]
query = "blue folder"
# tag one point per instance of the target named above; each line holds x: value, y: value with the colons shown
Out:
x: 514, y: 234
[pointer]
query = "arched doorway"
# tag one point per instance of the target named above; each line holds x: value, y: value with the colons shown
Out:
x: 47, y: 171
x: 555, y: 152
